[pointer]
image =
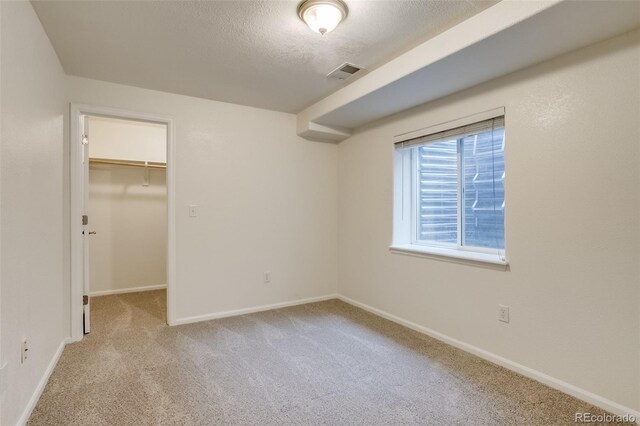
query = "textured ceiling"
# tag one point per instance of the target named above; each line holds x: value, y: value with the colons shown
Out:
x: 256, y: 53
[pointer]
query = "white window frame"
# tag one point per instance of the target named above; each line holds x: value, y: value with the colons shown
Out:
x: 405, y: 211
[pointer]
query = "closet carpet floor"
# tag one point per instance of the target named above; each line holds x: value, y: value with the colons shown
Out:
x: 325, y: 363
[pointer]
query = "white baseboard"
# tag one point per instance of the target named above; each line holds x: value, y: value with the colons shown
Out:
x: 582, y: 394
x: 33, y: 401
x: 127, y: 290
x: 236, y: 312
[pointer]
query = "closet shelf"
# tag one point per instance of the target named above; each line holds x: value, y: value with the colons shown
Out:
x: 130, y: 163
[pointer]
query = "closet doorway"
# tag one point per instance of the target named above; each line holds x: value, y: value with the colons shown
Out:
x: 121, y: 189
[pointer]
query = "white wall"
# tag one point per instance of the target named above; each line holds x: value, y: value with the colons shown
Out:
x: 127, y: 140
x: 267, y: 200
x: 33, y: 102
x: 129, y: 249
x: 2, y: 362
x: 573, y: 236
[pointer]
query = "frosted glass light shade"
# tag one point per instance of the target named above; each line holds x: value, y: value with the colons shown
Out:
x: 322, y: 16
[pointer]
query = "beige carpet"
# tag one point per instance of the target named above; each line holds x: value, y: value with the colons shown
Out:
x: 324, y: 363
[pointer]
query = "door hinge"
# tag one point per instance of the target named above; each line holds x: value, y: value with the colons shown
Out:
x: 85, y: 219
x: 85, y: 139
x: 85, y: 300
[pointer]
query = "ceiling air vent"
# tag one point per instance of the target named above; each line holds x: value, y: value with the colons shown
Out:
x: 344, y: 71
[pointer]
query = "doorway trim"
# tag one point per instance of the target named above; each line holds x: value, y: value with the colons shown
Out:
x: 75, y: 184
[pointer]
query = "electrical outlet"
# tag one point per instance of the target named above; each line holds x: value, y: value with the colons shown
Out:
x: 24, y: 351
x: 503, y: 313
x: 266, y: 278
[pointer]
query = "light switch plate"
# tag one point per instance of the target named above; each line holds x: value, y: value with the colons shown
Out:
x: 193, y: 211
x: 503, y: 313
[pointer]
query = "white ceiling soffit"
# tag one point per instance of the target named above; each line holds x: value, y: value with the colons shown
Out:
x: 248, y: 52
x: 504, y: 38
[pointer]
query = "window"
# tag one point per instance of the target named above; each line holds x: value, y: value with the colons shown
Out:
x: 450, y: 197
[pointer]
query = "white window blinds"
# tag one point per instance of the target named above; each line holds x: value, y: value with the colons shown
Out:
x: 456, y: 133
x: 458, y: 185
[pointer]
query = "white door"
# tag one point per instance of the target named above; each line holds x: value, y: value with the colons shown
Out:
x: 85, y: 224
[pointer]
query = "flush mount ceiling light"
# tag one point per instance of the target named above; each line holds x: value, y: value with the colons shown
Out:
x: 322, y: 16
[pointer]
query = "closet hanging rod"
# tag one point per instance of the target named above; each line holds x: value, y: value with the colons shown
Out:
x: 130, y: 163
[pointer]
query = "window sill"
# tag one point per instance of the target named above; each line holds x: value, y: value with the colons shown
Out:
x: 492, y: 261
